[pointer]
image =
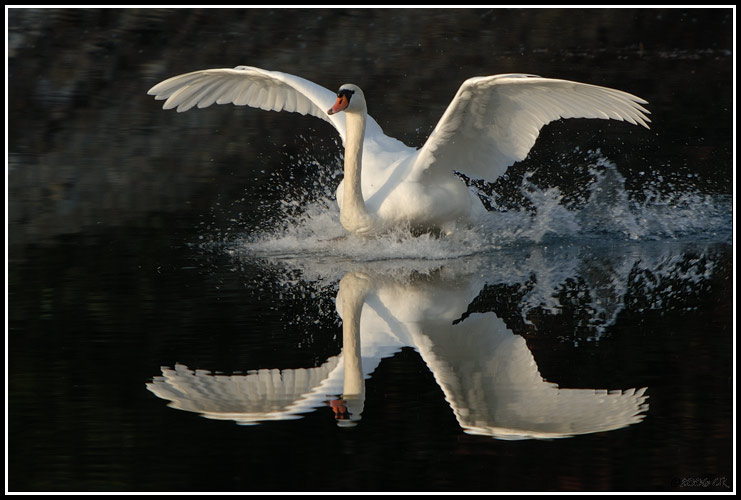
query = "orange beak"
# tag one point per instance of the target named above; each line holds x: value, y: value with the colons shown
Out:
x: 341, y: 104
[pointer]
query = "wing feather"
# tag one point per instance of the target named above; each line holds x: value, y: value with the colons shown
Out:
x: 245, y: 94
x: 245, y: 85
x: 268, y: 90
x: 494, y: 121
x: 230, y: 92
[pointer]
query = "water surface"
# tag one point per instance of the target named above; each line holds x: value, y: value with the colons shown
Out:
x: 166, y: 267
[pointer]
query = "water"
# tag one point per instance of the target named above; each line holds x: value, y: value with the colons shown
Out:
x: 166, y: 267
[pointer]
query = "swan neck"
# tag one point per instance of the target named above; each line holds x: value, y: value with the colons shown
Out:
x: 353, y: 386
x: 352, y: 293
x: 353, y: 195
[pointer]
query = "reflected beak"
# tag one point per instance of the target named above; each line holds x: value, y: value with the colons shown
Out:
x: 340, y: 105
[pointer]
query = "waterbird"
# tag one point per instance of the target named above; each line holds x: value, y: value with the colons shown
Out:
x: 491, y: 123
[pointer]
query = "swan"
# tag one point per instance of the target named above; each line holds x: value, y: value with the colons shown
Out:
x: 491, y: 123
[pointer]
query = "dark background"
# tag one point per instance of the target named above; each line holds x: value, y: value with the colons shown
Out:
x: 108, y: 196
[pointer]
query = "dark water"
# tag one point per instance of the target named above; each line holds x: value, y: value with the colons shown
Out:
x: 585, y: 344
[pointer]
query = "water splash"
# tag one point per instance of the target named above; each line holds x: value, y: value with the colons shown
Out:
x: 583, y: 287
x: 594, y: 250
x: 305, y: 222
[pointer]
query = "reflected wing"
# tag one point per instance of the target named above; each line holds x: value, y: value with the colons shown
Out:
x: 492, y: 382
x: 493, y: 121
x: 248, y: 86
x: 248, y: 399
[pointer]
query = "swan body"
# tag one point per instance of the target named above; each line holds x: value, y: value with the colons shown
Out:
x: 491, y: 123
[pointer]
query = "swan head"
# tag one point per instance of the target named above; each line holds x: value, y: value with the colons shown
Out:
x: 349, y: 99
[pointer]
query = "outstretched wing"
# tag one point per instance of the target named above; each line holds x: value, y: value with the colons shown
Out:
x: 493, y: 121
x: 248, y: 86
x: 259, y: 395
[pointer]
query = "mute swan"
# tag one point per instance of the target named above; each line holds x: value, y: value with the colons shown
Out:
x: 492, y: 122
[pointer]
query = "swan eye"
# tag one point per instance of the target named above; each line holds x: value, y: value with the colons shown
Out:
x: 346, y: 93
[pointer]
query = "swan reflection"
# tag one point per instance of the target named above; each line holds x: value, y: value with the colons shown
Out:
x: 487, y: 373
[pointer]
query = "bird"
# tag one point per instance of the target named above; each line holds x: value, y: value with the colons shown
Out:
x: 491, y: 123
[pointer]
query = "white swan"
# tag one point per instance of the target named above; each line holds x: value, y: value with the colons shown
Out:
x: 492, y: 122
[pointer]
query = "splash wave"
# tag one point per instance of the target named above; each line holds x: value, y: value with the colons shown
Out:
x: 309, y: 221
